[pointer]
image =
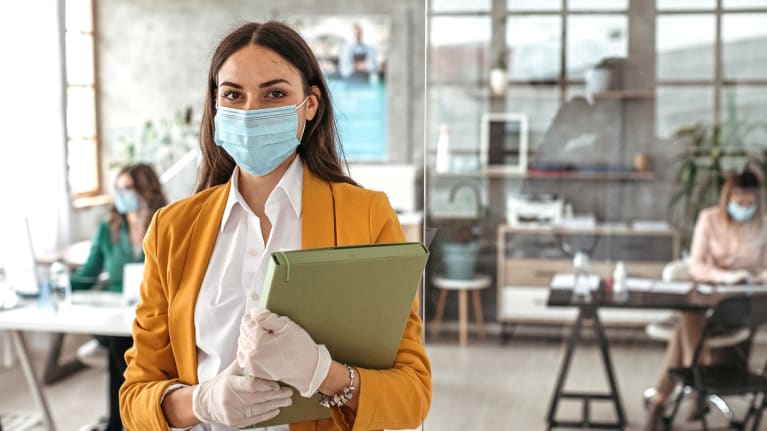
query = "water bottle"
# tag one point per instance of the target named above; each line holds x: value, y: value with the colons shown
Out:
x: 620, y: 291
x: 582, y: 286
x: 61, y: 289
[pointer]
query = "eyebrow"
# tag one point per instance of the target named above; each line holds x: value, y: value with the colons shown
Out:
x: 262, y: 85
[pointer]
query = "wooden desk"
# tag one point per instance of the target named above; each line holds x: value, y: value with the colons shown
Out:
x: 76, y: 319
x: 692, y: 300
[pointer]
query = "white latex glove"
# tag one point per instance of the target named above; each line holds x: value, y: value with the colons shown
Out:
x: 732, y: 277
x: 274, y: 347
x: 232, y: 399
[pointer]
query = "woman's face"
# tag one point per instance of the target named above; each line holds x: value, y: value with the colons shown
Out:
x: 255, y: 77
x: 124, y: 182
x: 743, y: 198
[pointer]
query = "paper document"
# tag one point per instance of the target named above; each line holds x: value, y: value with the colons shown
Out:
x: 658, y: 286
x: 706, y: 289
x: 567, y: 281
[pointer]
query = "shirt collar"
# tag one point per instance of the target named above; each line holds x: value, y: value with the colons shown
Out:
x: 291, y: 184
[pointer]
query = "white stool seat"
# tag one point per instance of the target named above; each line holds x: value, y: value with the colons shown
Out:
x: 480, y: 281
x: 475, y: 284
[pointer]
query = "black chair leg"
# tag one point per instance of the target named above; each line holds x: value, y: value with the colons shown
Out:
x: 668, y: 421
x: 758, y: 414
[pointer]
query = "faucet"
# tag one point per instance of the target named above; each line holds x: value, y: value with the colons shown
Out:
x: 477, y: 194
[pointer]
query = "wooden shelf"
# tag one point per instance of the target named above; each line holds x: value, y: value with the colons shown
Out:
x: 625, y: 94
x: 597, y: 229
x: 501, y: 172
x: 597, y: 176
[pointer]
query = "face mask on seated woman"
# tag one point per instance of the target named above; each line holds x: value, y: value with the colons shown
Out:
x: 741, y: 213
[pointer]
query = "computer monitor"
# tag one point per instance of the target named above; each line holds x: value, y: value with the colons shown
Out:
x: 133, y: 275
x: 18, y: 256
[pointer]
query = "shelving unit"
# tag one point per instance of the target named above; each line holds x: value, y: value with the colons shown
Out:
x: 522, y: 282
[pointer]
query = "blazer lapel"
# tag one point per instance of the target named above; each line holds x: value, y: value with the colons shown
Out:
x: 318, y: 222
x: 200, y: 244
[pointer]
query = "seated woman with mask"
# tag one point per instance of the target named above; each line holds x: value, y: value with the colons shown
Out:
x: 118, y: 241
x: 728, y: 247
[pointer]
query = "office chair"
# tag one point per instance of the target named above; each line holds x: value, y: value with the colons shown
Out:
x: 678, y: 270
x: 732, y: 378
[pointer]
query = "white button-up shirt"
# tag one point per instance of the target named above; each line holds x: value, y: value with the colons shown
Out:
x: 235, y: 275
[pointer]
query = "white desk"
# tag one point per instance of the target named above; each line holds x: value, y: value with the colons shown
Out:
x: 75, y: 319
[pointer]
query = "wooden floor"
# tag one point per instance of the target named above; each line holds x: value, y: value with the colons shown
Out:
x: 483, y: 386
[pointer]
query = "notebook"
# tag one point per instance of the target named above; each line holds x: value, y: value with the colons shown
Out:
x: 355, y: 300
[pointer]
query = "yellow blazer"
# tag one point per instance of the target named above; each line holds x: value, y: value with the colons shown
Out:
x: 178, y: 246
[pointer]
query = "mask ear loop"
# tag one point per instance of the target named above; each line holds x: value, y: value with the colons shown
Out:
x: 303, y: 128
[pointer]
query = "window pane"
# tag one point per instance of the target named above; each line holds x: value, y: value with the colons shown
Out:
x: 459, y: 110
x: 517, y: 5
x: 78, y: 15
x: 678, y: 107
x: 459, y: 48
x: 744, y: 4
x: 685, y: 4
x: 591, y: 38
x: 743, y: 110
x: 744, y: 38
x: 83, y: 165
x: 534, y: 46
x: 685, y: 47
x: 79, y: 58
x: 81, y: 113
x: 539, y: 104
x: 460, y: 5
x: 617, y: 5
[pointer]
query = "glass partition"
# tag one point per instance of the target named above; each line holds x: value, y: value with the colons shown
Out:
x: 563, y: 157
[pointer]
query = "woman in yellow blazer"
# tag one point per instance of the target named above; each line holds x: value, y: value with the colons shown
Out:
x: 267, y: 136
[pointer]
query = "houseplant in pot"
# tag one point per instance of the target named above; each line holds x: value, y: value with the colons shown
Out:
x: 460, y: 248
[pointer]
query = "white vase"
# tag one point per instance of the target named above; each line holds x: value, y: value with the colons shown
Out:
x: 597, y: 80
x: 498, y: 81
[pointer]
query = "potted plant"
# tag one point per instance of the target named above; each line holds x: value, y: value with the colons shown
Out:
x: 709, y: 153
x: 460, y: 248
x: 499, y: 75
x: 604, y: 76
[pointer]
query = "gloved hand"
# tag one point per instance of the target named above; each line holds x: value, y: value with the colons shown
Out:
x: 232, y: 399
x: 732, y: 277
x: 274, y: 347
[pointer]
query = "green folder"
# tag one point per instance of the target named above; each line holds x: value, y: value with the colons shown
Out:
x: 355, y: 300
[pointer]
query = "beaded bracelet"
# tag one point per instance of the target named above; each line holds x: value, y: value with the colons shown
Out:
x: 338, y: 400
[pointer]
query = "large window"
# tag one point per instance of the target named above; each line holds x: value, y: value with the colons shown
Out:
x: 83, y: 155
x: 716, y: 74
x: 546, y: 49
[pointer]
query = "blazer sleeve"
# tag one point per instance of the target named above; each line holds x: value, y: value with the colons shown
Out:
x: 400, y: 396
x: 150, y: 362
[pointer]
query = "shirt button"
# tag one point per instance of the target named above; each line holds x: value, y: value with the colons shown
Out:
x: 253, y: 252
x: 255, y: 296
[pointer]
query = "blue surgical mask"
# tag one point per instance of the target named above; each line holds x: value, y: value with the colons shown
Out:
x: 740, y: 213
x: 258, y: 140
x: 126, y: 201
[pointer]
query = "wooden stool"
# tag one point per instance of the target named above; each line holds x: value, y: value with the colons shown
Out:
x: 479, y: 282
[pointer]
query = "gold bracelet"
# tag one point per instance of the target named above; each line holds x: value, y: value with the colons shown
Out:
x: 338, y: 400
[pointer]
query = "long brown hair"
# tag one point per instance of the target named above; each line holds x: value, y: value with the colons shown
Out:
x: 320, y: 148
x: 147, y: 186
x: 746, y: 181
